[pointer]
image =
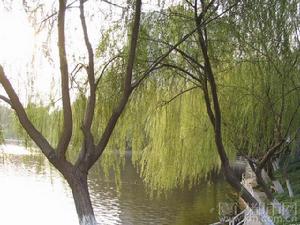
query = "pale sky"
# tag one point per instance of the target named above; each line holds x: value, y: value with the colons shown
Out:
x: 17, y: 48
x: 14, y: 34
x: 16, y: 43
x: 19, y: 44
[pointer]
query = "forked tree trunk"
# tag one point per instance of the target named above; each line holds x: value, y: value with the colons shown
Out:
x: 82, y: 199
x: 260, y: 181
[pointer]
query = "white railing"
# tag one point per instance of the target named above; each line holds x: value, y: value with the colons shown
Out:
x: 13, y: 141
x: 237, y: 220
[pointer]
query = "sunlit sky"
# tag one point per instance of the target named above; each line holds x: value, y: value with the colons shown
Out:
x: 16, y: 37
x: 19, y: 46
x: 21, y: 52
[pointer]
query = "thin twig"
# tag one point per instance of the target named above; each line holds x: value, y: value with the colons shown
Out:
x: 5, y: 99
x: 104, y: 68
x: 114, y: 4
x: 178, y: 95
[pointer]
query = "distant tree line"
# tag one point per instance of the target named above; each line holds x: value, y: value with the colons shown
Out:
x: 7, y: 124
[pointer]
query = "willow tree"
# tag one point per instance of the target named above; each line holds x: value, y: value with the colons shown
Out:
x: 207, y: 83
x: 179, y: 138
x: 76, y: 173
x: 266, y: 70
x: 267, y: 82
x: 177, y: 134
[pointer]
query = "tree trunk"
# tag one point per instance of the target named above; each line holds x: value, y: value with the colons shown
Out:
x: 264, y: 186
x: 260, y: 181
x: 265, y: 176
x: 277, y: 186
x: 287, y: 181
x: 269, y: 167
x: 289, y: 187
x: 235, y: 183
x: 82, y: 199
x: 277, y: 205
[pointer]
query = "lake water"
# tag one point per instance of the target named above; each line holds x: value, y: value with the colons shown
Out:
x: 33, y: 193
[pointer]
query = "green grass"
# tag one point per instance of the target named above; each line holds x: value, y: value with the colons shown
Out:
x: 293, y: 204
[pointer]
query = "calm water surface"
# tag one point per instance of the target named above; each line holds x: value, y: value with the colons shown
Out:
x: 33, y: 193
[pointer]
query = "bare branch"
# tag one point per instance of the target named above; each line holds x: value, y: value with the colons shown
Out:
x: 291, y: 120
x: 55, y: 13
x: 67, y: 111
x: 114, y: 4
x: 166, y: 54
x: 250, y: 160
x: 185, y: 55
x: 221, y: 14
x: 209, y: 108
x: 88, y: 144
x: 190, y: 58
x: 178, y: 95
x: 35, y: 135
x: 196, y: 83
x: 90, y: 109
x: 205, y: 8
x: 269, y: 154
x: 73, y: 74
x: 161, y: 58
x: 5, y: 99
x: 127, y: 89
x: 104, y: 68
x: 77, y: 68
x: 184, y: 71
x: 189, y: 3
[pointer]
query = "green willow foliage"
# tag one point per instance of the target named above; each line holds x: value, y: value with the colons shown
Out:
x: 177, y: 146
x: 41, y: 118
x: 265, y: 80
x: 258, y: 114
x: 258, y: 90
x: 172, y: 143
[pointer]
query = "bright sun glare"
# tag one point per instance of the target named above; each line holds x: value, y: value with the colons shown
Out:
x: 16, y: 37
x: 17, y: 48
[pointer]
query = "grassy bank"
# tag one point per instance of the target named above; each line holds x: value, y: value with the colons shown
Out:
x: 293, y: 204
